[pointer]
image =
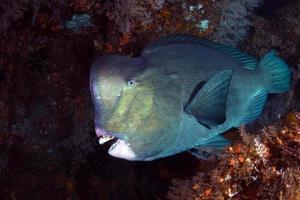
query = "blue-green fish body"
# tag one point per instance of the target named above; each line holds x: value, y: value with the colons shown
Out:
x: 181, y: 93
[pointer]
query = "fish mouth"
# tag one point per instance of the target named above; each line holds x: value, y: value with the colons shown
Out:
x: 115, y: 141
x: 103, y: 136
x: 106, y: 136
x: 120, y: 146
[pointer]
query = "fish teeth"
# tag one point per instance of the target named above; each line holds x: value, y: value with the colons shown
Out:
x: 105, y: 138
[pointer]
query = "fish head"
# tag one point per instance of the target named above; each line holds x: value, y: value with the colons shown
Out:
x: 136, y: 104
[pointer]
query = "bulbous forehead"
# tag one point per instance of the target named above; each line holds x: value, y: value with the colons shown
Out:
x: 118, y: 65
x: 108, y: 76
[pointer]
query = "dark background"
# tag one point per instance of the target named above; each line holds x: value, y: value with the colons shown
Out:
x: 48, y: 148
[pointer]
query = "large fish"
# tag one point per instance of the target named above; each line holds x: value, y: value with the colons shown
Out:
x: 181, y: 93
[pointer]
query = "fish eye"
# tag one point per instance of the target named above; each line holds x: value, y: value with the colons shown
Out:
x: 130, y: 82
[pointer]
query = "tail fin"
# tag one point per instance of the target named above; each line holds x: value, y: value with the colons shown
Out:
x: 276, y: 71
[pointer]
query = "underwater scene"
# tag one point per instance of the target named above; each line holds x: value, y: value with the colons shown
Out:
x: 149, y: 99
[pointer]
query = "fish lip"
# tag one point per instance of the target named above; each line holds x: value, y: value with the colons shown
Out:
x: 116, y: 142
x: 101, y: 132
x: 113, y: 145
x: 122, y: 149
x: 119, y: 144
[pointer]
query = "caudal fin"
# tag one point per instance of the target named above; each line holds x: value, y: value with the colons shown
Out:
x: 276, y: 72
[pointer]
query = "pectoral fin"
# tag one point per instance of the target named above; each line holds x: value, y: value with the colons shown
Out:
x: 209, y: 104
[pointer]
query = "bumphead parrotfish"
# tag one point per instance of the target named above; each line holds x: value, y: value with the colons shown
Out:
x: 181, y: 93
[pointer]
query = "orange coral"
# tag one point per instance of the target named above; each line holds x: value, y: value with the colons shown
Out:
x: 260, y: 168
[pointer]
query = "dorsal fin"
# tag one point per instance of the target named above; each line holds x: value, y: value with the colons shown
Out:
x: 248, y: 61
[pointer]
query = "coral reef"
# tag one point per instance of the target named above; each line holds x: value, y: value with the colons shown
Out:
x: 125, y: 13
x: 48, y: 149
x: 135, y: 22
x: 235, y: 23
x: 249, y: 169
